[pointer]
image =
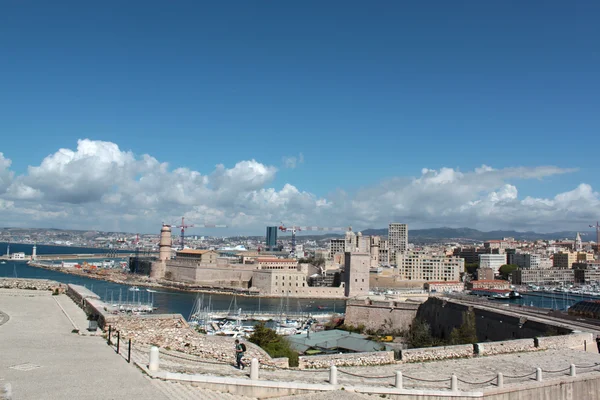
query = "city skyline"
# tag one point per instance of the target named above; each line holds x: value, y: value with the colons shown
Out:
x: 124, y: 116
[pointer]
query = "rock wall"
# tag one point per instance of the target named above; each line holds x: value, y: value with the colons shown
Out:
x: 346, y: 360
x: 583, y: 341
x: 32, y: 284
x: 387, y: 315
x: 172, y: 332
x: 504, y: 347
x: 443, y: 316
x: 436, y: 353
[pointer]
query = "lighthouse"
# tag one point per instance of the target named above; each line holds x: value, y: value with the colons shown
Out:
x: 34, y: 253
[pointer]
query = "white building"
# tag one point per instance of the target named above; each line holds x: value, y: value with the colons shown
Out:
x: 17, y: 256
x: 397, y: 239
x: 493, y: 261
x: 421, y: 266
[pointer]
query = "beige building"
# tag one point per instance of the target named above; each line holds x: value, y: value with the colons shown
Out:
x: 356, y: 273
x: 397, y: 239
x: 444, y: 287
x: 276, y: 263
x: 421, y: 266
x: 542, y: 276
x: 564, y: 260
x: 293, y: 283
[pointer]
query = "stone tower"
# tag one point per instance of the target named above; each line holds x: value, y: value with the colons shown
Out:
x: 356, y: 274
x: 164, y: 253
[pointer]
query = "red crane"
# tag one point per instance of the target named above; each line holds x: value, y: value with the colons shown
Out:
x: 295, y: 229
x: 183, y: 227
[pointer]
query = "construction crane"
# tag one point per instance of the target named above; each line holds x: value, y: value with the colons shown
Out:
x: 183, y: 227
x: 597, y: 226
x: 294, y: 229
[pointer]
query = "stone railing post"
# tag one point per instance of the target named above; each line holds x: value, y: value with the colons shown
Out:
x: 254, y: 369
x: 154, y: 359
x: 398, y: 379
x: 500, y: 380
x: 538, y: 374
x: 454, y: 383
x: 333, y: 375
x: 573, y: 371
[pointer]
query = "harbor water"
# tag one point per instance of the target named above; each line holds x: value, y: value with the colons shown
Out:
x: 173, y: 301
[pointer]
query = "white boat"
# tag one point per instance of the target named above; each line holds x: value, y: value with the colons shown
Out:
x: 134, y: 289
x: 3, y: 262
x: 150, y: 291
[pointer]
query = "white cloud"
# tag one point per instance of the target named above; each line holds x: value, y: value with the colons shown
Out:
x: 6, y: 175
x: 292, y: 162
x: 100, y: 186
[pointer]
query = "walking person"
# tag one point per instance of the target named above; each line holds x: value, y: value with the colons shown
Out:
x: 240, y: 349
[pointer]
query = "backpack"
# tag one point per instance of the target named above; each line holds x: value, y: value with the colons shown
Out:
x: 243, y: 346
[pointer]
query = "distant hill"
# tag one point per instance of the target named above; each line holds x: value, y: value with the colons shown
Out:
x: 477, y: 235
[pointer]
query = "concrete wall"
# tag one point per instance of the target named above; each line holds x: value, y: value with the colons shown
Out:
x: 443, y: 316
x: 388, y: 315
x: 346, y: 360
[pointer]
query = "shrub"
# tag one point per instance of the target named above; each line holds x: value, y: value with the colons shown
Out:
x: 275, y: 345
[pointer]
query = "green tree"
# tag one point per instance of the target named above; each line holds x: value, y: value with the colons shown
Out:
x: 419, y: 334
x: 467, y: 332
x: 275, y: 345
x: 470, y: 268
x: 508, y: 269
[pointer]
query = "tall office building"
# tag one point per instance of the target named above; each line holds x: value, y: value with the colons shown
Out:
x: 397, y: 240
x: 271, y: 242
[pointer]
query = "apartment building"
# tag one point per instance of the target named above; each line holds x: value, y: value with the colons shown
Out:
x: 421, y: 266
x: 493, y: 261
x: 397, y: 239
x: 524, y: 260
x: 564, y: 260
x: 542, y: 276
x: 337, y: 246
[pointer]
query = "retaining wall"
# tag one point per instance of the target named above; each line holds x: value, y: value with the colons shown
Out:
x: 491, y: 325
x: 436, y: 353
x: 346, y: 360
x: 584, y: 341
x: 32, y: 284
x: 505, y: 346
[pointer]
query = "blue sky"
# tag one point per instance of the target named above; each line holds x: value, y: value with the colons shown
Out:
x: 365, y: 91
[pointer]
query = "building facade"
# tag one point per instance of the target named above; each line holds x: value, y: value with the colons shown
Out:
x: 337, y: 246
x: 276, y: 263
x: 397, y: 240
x: 542, y: 276
x: 421, y: 266
x: 525, y: 260
x: 493, y: 261
x: 444, y: 287
x: 564, y: 260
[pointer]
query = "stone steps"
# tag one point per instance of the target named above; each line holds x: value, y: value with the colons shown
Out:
x: 184, y: 391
